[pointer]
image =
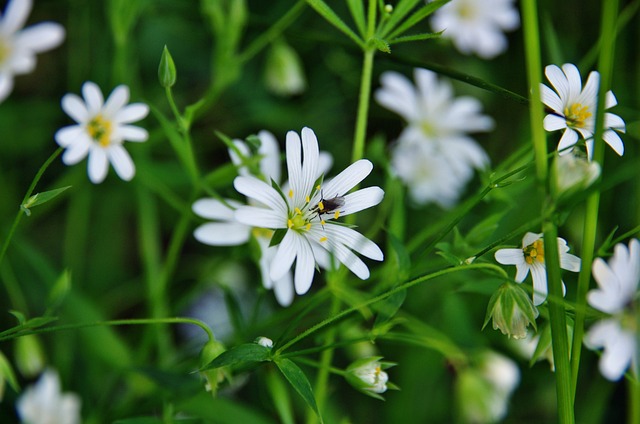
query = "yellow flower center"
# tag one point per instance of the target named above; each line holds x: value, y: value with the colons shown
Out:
x: 577, y: 114
x: 298, y: 221
x: 534, y: 252
x: 5, y: 51
x: 428, y: 128
x: 100, y: 130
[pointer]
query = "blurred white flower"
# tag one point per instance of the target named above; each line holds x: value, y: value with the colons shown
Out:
x: 477, y: 26
x: 305, y: 215
x: 102, y: 129
x: 531, y: 258
x: 574, y: 109
x: 617, y: 294
x: 573, y: 173
x: 265, y: 342
x: 18, y: 47
x: 44, y: 403
x: 483, y: 390
x: 434, y: 155
x: 284, y: 74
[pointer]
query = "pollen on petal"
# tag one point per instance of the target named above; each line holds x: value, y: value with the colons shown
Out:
x: 336, y: 215
x: 323, y: 239
x: 308, y: 226
x: 291, y: 193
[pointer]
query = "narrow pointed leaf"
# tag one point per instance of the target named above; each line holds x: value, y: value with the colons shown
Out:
x: 416, y: 37
x: 400, y: 10
x: 299, y: 381
x: 40, y: 198
x: 241, y: 354
x: 326, y: 12
x: 418, y: 16
x: 357, y: 13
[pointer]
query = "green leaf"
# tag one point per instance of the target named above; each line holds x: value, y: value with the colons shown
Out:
x: 388, y: 308
x: 241, y: 354
x: 416, y: 37
x: 6, y: 373
x: 400, y: 10
x: 418, y: 16
x: 381, y: 45
x: 40, y: 198
x: 60, y: 289
x: 357, y: 13
x: 299, y: 381
x: 19, y: 316
x: 221, y: 410
x: 326, y: 12
x: 277, y: 237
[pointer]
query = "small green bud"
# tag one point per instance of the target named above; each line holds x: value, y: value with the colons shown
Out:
x: 284, y: 75
x: 367, y: 375
x: 29, y: 356
x: 212, y: 377
x: 167, y: 69
x: 512, y: 311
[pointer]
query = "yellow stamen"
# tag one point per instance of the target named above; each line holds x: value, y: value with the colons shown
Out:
x: 289, y: 223
x: 336, y: 215
x: 307, y: 199
x: 100, y: 130
x: 320, y: 206
x: 534, y: 252
x: 298, y: 211
x: 323, y: 239
x: 322, y: 222
x: 577, y: 114
x: 318, y: 187
x: 308, y: 226
x: 291, y: 193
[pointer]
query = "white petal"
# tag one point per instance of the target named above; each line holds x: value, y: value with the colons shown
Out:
x: 98, y: 165
x: 614, y: 141
x: 529, y: 238
x: 270, y: 151
x: 347, y: 179
x: 361, y: 199
x: 130, y: 133
x: 76, y: 151
x: 574, y: 81
x: 287, y: 251
x: 238, y: 159
x: 15, y: 16
x: 75, y: 108
x: 398, y: 94
x: 222, y: 234
x: 41, y: 37
x: 509, y: 256
x: 553, y: 123
x: 121, y: 161
x: 551, y: 99
x: 294, y: 167
x: 325, y: 161
x: 116, y: 101
x: 567, y: 141
x: 350, y: 238
x: 310, y: 172
x: 305, y: 266
x: 6, y: 85
x: 260, y: 217
x: 283, y: 289
x: 558, y: 79
x: 539, y: 276
x: 610, y: 100
x: 66, y: 136
x: 262, y: 192
x: 614, y: 122
x: 211, y: 208
x: 131, y: 113
x: 347, y: 257
x: 92, y: 97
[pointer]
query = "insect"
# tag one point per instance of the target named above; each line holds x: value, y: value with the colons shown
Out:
x: 328, y: 205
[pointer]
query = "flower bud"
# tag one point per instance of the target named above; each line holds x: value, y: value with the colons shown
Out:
x: 213, y: 377
x: 512, y: 311
x: 573, y: 173
x: 367, y: 375
x: 284, y: 75
x: 167, y: 70
x: 29, y: 356
x: 264, y: 341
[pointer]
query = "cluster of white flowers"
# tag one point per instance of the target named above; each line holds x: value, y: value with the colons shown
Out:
x: 476, y: 26
x: 434, y: 155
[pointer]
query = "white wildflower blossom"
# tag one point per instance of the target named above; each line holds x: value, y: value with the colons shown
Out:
x: 531, y: 258
x: 44, y: 403
x: 574, y: 108
x: 617, y: 295
x: 101, y: 130
x: 305, y: 215
x: 477, y: 26
x: 19, y: 46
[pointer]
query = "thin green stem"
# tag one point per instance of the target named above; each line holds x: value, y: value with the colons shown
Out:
x: 317, y: 364
x: 634, y: 401
x: 339, y: 316
x: 28, y: 194
x: 142, y: 321
x: 605, y: 65
x: 557, y: 315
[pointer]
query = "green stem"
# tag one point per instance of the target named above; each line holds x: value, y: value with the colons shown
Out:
x: 143, y: 321
x: 633, y: 385
x: 557, y: 315
x: 605, y: 65
x: 32, y: 187
x: 337, y: 317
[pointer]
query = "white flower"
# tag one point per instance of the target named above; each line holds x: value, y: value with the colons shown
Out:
x: 18, y: 47
x: 43, y: 403
x: 574, y: 109
x: 101, y: 130
x: 617, y: 294
x: 367, y: 375
x: 434, y: 156
x: 306, y: 214
x: 531, y: 258
x: 265, y: 342
x: 573, y: 173
x: 476, y: 26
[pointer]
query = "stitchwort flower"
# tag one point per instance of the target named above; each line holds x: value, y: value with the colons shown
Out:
x: 573, y: 109
x: 617, y: 295
x: 531, y: 258
x: 434, y: 155
x: 18, y: 47
x: 305, y: 215
x: 476, y: 26
x: 101, y: 129
x: 368, y: 376
x: 43, y: 403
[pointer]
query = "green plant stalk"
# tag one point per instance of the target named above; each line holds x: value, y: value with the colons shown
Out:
x: 28, y: 194
x: 407, y: 285
x: 634, y: 400
x: 142, y: 321
x: 605, y: 66
x: 551, y: 257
